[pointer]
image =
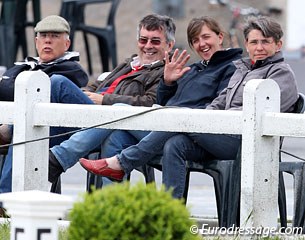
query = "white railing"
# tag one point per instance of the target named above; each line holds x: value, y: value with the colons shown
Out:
x: 260, y: 124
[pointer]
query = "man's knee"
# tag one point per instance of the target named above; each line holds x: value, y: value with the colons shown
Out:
x: 175, y: 143
x: 120, y: 139
x: 58, y: 80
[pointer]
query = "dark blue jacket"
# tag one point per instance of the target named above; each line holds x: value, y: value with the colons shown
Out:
x: 202, y: 83
x: 67, y: 66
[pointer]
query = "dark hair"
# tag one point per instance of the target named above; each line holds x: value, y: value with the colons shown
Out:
x: 195, y: 25
x: 268, y: 26
x: 154, y: 22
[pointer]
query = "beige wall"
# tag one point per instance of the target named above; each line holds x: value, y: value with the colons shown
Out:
x: 131, y: 11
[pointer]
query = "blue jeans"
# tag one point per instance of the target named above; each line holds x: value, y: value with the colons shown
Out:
x: 62, y: 91
x: 65, y: 91
x: 82, y: 143
x: 176, y: 152
x: 119, y: 140
x: 114, y: 144
x: 194, y: 147
x: 145, y: 151
x: 176, y: 149
x: 79, y: 145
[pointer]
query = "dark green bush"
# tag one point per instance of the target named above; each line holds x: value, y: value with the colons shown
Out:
x: 125, y: 212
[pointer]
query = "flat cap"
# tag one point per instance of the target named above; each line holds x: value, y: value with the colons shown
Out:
x: 53, y: 23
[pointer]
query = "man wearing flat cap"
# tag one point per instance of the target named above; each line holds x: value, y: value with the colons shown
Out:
x: 52, y: 43
x: 66, y: 75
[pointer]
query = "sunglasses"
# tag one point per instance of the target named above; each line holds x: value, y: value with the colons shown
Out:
x: 153, y: 41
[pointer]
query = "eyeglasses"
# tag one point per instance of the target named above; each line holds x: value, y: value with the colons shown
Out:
x: 263, y: 42
x: 52, y: 35
x: 153, y: 41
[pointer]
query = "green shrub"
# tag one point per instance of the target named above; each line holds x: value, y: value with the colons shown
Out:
x: 125, y: 212
x: 5, y: 231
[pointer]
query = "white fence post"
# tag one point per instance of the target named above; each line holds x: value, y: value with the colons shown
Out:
x: 260, y: 157
x: 30, y: 160
x: 34, y: 214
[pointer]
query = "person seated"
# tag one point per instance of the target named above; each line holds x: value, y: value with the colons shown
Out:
x: 132, y: 82
x: 66, y: 76
x: 263, y: 41
x: 52, y: 43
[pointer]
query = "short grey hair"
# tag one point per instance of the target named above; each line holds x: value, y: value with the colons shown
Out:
x: 268, y: 26
x: 154, y: 22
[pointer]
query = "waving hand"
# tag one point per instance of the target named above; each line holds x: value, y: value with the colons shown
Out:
x: 175, y: 68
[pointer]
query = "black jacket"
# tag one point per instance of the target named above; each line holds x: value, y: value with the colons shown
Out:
x: 202, y: 83
x: 66, y: 66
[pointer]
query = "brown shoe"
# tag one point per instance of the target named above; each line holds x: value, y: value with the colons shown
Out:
x: 3, y: 213
x: 5, y: 134
x: 5, y: 138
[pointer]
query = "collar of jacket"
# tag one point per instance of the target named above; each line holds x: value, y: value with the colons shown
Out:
x: 218, y: 57
x: 159, y: 63
x: 154, y: 65
x: 222, y: 55
x: 34, y: 61
x: 200, y: 66
x: 135, y: 63
x: 277, y: 57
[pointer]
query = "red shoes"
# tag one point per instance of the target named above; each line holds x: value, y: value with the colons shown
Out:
x: 100, y: 167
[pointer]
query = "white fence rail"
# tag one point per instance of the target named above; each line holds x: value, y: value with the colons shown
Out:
x: 260, y: 124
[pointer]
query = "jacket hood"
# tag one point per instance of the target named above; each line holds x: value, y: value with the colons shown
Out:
x: 222, y: 55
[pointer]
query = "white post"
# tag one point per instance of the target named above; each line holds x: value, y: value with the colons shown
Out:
x: 34, y: 214
x: 260, y: 156
x: 30, y: 161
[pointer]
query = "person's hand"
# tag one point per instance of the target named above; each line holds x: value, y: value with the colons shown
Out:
x: 174, y: 69
x: 95, y: 97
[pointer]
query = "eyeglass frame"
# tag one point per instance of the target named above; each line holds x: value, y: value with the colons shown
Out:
x: 153, y: 41
x: 263, y: 42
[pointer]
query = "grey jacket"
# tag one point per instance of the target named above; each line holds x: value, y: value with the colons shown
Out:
x: 231, y: 98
